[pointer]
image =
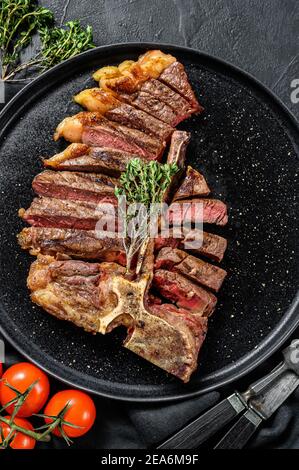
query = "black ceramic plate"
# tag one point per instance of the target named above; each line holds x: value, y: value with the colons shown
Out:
x: 246, y: 144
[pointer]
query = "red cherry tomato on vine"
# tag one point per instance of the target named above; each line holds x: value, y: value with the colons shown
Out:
x: 21, y: 376
x: 82, y: 411
x: 20, y: 440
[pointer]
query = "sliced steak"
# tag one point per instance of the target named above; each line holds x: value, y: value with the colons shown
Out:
x: 129, y: 75
x: 52, y: 212
x: 154, y: 78
x: 184, y: 293
x: 194, y: 268
x: 123, y: 138
x: 191, y: 211
x: 98, y: 100
x: 212, y: 246
x: 178, y: 147
x: 91, y: 244
x: 76, y: 186
x: 207, y: 244
x: 194, y: 184
x: 92, y: 129
x: 162, y: 92
x: 80, y: 157
x: 153, y: 106
x: 86, y: 244
x: 177, y: 156
x: 176, y: 78
x: 135, y: 118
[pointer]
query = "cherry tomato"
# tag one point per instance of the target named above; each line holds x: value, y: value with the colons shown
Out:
x: 20, y: 440
x: 82, y: 411
x: 1, y: 370
x: 21, y: 376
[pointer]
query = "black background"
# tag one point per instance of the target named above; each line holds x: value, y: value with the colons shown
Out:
x: 262, y: 38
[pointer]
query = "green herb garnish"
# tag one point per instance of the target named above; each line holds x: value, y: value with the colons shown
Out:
x: 59, y: 44
x: 20, y: 20
x: 144, y: 186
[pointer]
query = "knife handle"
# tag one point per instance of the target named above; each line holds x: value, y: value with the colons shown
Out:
x: 201, y: 429
x: 265, y: 382
x: 241, y: 432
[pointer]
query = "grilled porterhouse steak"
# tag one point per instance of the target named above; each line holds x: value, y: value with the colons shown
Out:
x: 98, y: 298
x: 106, y: 246
x: 165, y: 308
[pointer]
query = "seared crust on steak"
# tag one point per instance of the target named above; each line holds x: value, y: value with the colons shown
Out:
x: 84, y: 244
x: 192, y: 211
x: 73, y: 290
x: 73, y: 185
x: 95, y: 99
x: 176, y: 78
x: 184, y: 293
x: 194, y: 184
x: 92, y: 129
x: 52, y: 212
x: 193, y: 268
x: 107, y: 246
x: 81, y: 157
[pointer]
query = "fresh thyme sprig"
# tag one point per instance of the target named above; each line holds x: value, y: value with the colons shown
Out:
x: 144, y: 182
x: 144, y: 186
x: 20, y: 20
x: 59, y: 44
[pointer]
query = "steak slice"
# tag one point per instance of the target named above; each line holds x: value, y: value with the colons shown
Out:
x: 212, y: 246
x: 96, y: 131
x: 106, y: 246
x: 207, y: 244
x: 162, y: 92
x: 184, y: 293
x: 194, y: 184
x: 129, y: 75
x: 170, y: 338
x: 86, y: 244
x: 191, y: 211
x: 52, y: 212
x: 153, y: 106
x: 80, y: 157
x: 123, y: 138
x: 97, y: 100
x: 193, y: 268
x: 176, y: 78
x: 176, y: 155
x: 173, y: 108
x: 73, y: 290
x: 178, y: 147
x: 130, y: 116
x: 76, y: 186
